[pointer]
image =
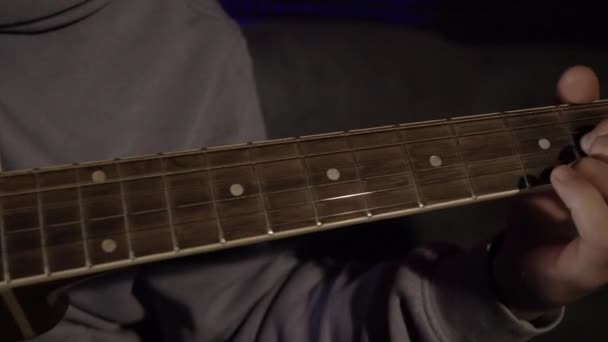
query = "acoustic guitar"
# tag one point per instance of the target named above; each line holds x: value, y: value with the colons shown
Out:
x: 65, y: 223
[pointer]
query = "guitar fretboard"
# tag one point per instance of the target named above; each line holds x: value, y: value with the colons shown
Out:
x: 92, y: 216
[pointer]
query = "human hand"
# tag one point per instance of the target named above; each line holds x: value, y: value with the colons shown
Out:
x: 556, y: 248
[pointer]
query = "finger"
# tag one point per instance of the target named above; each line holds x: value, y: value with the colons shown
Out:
x: 588, y: 209
x: 551, y: 206
x: 540, y: 206
x: 596, y: 172
x: 578, y: 84
x: 599, y: 148
x: 589, y: 139
x: 541, y: 218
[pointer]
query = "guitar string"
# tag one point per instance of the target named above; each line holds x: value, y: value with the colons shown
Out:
x: 151, y: 227
x: 55, y: 206
x: 162, y: 227
x: 89, y: 200
x: 148, y: 228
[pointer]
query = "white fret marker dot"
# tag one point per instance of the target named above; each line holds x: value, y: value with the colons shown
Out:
x: 333, y: 174
x: 98, y: 176
x: 436, y: 161
x: 544, y: 144
x: 108, y: 245
x: 237, y: 190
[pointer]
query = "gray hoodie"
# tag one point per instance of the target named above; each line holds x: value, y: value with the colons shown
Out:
x: 84, y: 80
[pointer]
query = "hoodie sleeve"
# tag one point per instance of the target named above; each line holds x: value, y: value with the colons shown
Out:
x: 434, y: 294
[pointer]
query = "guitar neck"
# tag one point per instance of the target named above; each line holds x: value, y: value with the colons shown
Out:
x: 90, y: 217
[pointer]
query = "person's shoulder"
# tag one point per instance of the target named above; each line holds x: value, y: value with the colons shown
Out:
x: 211, y: 8
x: 216, y: 19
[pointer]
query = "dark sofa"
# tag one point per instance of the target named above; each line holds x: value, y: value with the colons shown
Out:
x: 317, y: 76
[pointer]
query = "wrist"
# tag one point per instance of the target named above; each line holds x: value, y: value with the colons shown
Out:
x: 507, y: 283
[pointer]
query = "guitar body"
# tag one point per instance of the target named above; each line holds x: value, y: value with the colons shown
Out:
x: 28, y: 311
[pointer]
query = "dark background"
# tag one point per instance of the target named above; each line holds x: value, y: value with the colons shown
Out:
x: 324, y: 66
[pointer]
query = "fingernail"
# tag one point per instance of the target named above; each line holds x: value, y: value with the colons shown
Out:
x: 563, y: 173
x: 586, y: 142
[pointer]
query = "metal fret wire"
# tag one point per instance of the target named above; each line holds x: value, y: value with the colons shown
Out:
x: 521, y: 162
x: 261, y: 193
x: 459, y: 151
x: 167, y: 197
x: 220, y: 230
x: 406, y: 155
x: 45, y: 256
x: 85, y: 244
x: 125, y: 215
x: 308, y: 186
x: 357, y: 173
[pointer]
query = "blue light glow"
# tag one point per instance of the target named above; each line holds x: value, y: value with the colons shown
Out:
x: 395, y: 11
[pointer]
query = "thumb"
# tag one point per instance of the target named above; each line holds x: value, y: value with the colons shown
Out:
x: 578, y: 84
x: 588, y: 254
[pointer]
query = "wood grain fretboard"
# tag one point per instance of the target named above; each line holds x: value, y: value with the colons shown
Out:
x: 89, y: 217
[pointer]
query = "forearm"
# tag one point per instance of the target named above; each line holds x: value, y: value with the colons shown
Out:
x: 467, y: 304
x: 531, y: 295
